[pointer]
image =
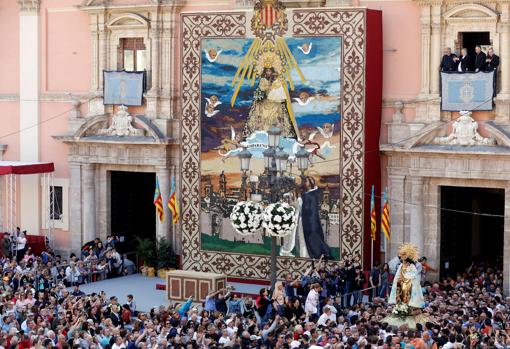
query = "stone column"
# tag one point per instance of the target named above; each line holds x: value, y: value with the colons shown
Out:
x: 2, y: 186
x: 506, y: 242
x: 89, y: 202
x: 163, y: 228
x: 396, y: 195
x: 425, y: 49
x: 435, y: 49
x: 416, y: 223
x: 75, y: 228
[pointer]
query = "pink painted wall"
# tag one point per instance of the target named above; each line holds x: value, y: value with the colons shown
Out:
x: 402, y: 46
x: 53, y: 123
x: 9, y: 41
x: 66, y: 51
x: 9, y: 126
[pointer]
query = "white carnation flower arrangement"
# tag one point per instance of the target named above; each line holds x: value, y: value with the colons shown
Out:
x: 401, y: 310
x: 279, y: 219
x: 246, y: 217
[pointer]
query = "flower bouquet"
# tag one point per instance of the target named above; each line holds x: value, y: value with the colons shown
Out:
x: 246, y: 217
x: 402, y: 310
x: 279, y: 219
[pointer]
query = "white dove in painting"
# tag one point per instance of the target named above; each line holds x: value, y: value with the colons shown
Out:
x: 306, y: 48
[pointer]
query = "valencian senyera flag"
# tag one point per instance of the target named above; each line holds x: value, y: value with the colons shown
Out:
x: 173, y: 204
x: 385, y: 216
x: 158, y: 202
x: 373, y: 221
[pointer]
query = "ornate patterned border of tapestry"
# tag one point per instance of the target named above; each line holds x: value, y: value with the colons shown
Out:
x: 350, y: 25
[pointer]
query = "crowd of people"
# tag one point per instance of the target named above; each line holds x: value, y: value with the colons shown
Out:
x: 97, y: 261
x: 327, y: 306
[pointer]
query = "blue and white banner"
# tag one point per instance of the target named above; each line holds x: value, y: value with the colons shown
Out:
x: 467, y: 91
x: 123, y: 88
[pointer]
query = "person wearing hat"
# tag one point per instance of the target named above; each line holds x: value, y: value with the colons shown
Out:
x: 6, y: 245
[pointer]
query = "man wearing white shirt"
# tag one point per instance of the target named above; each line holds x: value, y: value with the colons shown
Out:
x: 312, y: 302
x: 224, y: 339
x: 325, y: 317
x: 21, y: 243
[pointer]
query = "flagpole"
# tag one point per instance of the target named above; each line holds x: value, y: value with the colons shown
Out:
x: 372, y: 255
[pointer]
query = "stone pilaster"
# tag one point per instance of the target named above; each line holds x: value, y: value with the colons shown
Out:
x: 425, y: 49
x: 506, y: 242
x: 3, y: 147
x: 89, y: 202
x: 417, y: 206
x: 338, y: 3
x: 75, y: 228
x: 153, y: 94
x: 29, y: 113
x: 504, y: 29
x: 435, y: 48
x: 163, y: 228
x: 396, y: 193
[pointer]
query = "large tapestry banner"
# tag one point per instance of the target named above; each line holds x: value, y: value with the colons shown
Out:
x: 467, y: 91
x: 242, y: 74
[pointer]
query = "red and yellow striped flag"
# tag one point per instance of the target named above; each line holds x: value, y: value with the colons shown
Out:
x: 173, y: 204
x: 385, y: 217
x: 158, y: 202
x: 373, y: 219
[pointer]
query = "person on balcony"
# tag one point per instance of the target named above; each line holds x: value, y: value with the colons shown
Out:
x: 492, y: 61
x: 479, y: 59
x: 447, y: 62
x: 463, y: 61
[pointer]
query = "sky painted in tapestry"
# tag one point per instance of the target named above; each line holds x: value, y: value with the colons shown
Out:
x: 321, y: 68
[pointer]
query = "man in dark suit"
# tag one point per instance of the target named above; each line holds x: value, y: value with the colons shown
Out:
x: 447, y: 63
x: 479, y: 59
x: 492, y: 60
x: 463, y: 61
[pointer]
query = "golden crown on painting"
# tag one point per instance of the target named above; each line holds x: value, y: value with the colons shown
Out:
x: 268, y: 60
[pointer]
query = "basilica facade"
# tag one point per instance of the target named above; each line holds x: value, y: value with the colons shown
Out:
x: 439, y: 167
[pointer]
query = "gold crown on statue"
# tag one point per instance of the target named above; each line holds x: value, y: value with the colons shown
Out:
x: 408, y: 251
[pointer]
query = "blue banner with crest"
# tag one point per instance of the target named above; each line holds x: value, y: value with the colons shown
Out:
x: 467, y: 91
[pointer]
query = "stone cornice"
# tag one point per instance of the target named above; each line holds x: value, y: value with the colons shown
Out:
x: 29, y: 6
x: 101, y: 6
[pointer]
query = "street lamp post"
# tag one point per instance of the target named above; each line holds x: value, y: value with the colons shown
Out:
x: 273, y: 180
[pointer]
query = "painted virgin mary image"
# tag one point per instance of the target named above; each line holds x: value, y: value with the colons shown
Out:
x: 269, y: 105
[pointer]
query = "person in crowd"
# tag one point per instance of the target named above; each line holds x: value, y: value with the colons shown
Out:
x: 447, y: 62
x: 374, y: 281
x: 385, y: 280
x: 480, y: 59
x: 6, y: 245
x: 21, y: 244
x: 463, y: 62
x: 492, y: 60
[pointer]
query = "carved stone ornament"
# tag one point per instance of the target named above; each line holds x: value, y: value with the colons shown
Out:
x: 29, y: 5
x: 121, y: 125
x: 465, y: 132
